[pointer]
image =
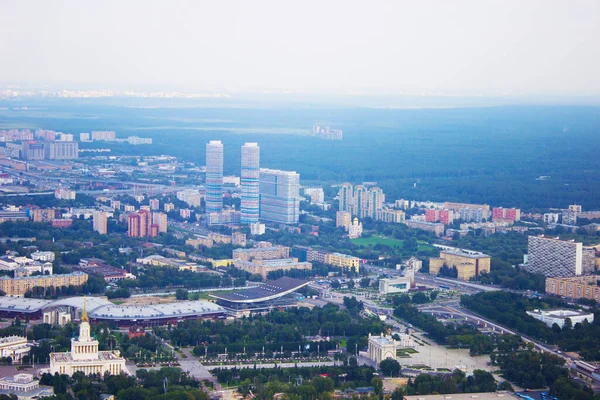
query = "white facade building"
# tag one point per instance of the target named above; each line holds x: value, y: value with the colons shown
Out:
x: 15, y: 347
x: 85, y: 356
x: 315, y: 194
x: 381, y: 348
x: 47, y: 256
x: 558, y: 316
x: 551, y: 218
x: 395, y: 285
x: 355, y: 230
x: 24, y: 387
x: 257, y: 229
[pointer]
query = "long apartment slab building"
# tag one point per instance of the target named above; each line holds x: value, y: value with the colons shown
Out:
x: 344, y: 261
x: 262, y: 253
x: 553, y: 257
x: 575, y: 287
x: 19, y: 286
x: 263, y: 267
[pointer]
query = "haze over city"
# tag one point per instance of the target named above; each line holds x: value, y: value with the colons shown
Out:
x: 464, y: 48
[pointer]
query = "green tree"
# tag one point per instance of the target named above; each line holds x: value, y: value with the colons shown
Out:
x: 323, y: 384
x: 390, y: 367
x: 181, y: 294
x: 398, y: 394
x: 377, y: 384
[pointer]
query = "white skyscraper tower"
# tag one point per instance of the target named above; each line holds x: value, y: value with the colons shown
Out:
x: 250, y: 183
x: 214, y: 177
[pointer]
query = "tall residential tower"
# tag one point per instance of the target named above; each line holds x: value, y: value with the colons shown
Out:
x: 249, y: 182
x: 214, y: 177
x: 279, y: 196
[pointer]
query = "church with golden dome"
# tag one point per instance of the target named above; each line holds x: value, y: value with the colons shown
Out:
x: 85, y: 356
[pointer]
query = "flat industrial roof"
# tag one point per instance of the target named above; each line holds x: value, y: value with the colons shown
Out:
x: 269, y: 291
x: 157, y: 311
x: 21, y: 304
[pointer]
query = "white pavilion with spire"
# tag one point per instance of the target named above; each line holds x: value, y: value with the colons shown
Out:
x: 85, y: 356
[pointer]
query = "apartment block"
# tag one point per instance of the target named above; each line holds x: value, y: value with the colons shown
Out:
x: 263, y: 267
x: 257, y: 229
x: 553, y: 257
x: 575, y: 287
x: 506, y: 214
x: 160, y: 219
x: 315, y: 194
x: 361, y: 201
x: 435, y: 227
x: 343, y: 219
x: 343, y: 261
x: 100, y: 222
x: 551, y: 218
x: 108, y: 136
x: 43, y: 215
x: 391, y: 216
x: 67, y: 150
x: 19, y: 286
x: 445, y: 217
x: 262, y: 253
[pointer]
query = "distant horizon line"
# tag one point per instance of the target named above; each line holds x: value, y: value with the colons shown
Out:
x: 398, y: 100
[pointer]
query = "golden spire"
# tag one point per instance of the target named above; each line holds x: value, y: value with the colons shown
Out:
x: 84, y: 318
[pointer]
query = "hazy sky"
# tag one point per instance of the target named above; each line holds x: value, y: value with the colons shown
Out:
x: 451, y: 47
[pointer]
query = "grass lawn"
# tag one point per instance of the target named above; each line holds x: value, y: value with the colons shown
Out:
x: 377, y: 240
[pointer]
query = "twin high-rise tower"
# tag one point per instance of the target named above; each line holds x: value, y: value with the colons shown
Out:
x: 214, y: 177
x: 269, y: 195
x: 250, y: 183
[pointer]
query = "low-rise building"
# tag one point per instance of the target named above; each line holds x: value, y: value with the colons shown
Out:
x: 559, y: 316
x: 381, y: 348
x: 24, y: 387
x: 394, y: 285
x: 46, y: 256
x: 15, y: 347
x: 85, y: 356
x: 551, y: 218
x: 96, y: 266
x: 257, y: 229
x: 468, y: 263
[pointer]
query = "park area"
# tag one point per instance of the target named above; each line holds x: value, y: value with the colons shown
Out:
x: 373, y: 240
x: 386, y: 241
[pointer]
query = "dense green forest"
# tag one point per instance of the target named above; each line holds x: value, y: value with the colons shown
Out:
x: 288, y: 329
x: 147, y: 385
x: 488, y: 155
